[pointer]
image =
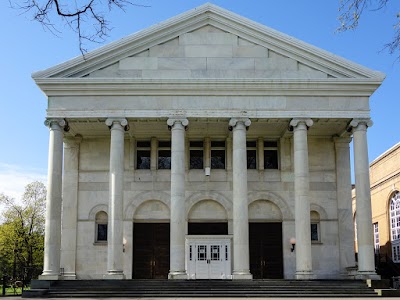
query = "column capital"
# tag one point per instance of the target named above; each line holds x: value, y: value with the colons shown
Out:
x: 71, y: 142
x: 62, y: 123
x: 357, y: 122
x: 176, y: 120
x: 121, y: 121
x: 234, y: 121
x: 342, y: 140
x: 297, y: 121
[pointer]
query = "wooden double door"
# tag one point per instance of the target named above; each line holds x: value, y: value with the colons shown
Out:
x: 151, y: 250
x: 266, y: 253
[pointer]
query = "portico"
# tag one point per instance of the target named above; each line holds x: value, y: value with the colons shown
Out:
x: 182, y: 154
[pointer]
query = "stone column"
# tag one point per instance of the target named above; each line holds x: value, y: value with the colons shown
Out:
x: 366, y: 263
x: 115, y: 205
x: 302, y: 198
x: 70, y: 206
x: 343, y: 194
x: 178, y: 216
x: 241, y: 261
x: 52, y: 239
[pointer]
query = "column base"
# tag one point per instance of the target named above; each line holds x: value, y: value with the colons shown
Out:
x: 69, y: 276
x: 50, y: 277
x: 242, y: 276
x: 350, y: 272
x: 304, y: 275
x: 178, y: 275
x: 365, y: 275
x: 114, y: 275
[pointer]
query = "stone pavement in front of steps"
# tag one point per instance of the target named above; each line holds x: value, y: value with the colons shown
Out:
x: 203, y: 298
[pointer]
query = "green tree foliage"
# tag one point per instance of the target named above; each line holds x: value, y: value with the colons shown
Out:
x: 22, y: 233
x: 350, y: 12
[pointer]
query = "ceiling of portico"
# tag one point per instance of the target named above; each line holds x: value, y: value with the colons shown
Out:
x: 200, y: 128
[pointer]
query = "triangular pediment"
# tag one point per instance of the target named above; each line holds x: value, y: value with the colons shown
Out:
x: 209, y: 42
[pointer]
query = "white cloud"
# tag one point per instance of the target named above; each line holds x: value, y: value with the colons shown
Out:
x: 14, y: 178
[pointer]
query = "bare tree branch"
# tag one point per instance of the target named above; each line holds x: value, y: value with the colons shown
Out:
x: 350, y: 12
x: 84, y: 17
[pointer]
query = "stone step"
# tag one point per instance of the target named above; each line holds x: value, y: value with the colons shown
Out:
x: 200, y: 288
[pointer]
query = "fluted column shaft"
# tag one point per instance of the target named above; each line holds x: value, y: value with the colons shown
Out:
x: 366, y: 263
x: 52, y: 239
x: 178, y: 220
x: 241, y: 261
x: 302, y: 199
x: 115, y: 206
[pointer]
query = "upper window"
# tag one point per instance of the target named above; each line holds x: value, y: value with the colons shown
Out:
x: 164, y: 154
x: 143, y: 154
x: 217, y: 154
x: 251, y: 154
x: 196, y: 155
x: 270, y: 155
x: 101, y: 226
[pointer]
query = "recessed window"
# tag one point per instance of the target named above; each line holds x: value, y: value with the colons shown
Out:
x: 315, y: 231
x: 164, y: 155
x: 217, y: 154
x: 251, y: 154
x: 196, y: 155
x: 101, y: 226
x: 143, y: 155
x: 270, y: 155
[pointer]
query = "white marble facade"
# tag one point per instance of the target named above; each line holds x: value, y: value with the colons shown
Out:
x: 207, y: 75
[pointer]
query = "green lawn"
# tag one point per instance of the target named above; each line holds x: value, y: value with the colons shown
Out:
x: 10, y: 291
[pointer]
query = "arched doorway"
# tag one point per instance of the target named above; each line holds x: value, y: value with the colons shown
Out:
x: 151, y: 241
x: 265, y: 240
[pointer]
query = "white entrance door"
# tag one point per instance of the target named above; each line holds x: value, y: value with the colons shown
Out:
x: 209, y: 259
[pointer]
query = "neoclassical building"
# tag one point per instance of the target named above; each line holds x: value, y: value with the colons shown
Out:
x: 207, y: 146
x: 385, y: 204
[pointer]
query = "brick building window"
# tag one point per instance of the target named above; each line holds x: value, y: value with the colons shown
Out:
x: 395, y: 225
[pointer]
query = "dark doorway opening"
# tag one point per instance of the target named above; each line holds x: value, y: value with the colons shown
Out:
x: 208, y: 228
x: 266, y: 253
x: 151, y: 250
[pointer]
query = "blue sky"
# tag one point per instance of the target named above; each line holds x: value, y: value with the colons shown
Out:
x: 27, y: 47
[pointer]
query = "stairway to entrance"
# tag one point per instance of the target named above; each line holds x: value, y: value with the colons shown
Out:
x: 199, y: 288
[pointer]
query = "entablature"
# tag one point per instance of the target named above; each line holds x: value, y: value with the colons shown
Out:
x: 207, y: 87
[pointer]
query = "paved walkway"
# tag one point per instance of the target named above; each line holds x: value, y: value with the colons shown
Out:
x: 203, y: 298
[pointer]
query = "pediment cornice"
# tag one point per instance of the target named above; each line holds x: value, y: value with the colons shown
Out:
x: 207, y: 87
x: 209, y: 14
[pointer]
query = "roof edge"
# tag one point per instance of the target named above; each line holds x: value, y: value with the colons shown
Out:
x: 384, y: 154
